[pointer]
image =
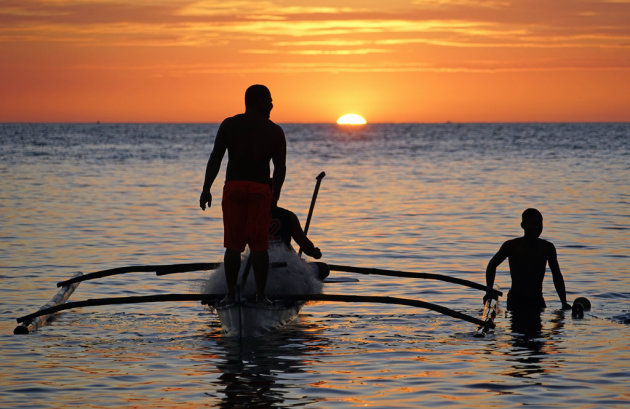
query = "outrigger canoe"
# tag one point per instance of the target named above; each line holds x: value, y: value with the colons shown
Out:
x: 245, y: 318
x: 285, y: 308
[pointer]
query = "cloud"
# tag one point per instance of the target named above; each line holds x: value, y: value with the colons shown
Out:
x: 397, y: 31
x: 256, y: 9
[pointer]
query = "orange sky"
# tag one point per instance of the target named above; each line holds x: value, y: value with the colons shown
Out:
x: 390, y: 61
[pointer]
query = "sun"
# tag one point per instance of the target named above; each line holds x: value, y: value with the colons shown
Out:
x: 351, y: 119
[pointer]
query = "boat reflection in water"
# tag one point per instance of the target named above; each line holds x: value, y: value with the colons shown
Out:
x: 259, y: 372
x: 262, y: 349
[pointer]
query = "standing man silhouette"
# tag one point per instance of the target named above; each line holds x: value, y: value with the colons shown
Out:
x: 251, y: 140
x: 528, y: 258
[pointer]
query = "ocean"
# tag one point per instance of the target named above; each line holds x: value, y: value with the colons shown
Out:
x: 428, y: 198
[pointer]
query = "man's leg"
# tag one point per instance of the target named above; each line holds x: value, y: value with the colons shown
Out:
x: 232, y: 264
x: 260, y: 263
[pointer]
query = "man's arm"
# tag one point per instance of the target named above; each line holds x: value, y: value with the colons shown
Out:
x: 212, y: 168
x: 491, y: 269
x: 558, y: 280
x: 300, y: 238
x: 279, y: 159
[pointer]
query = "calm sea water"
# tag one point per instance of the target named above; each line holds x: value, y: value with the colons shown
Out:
x: 435, y: 198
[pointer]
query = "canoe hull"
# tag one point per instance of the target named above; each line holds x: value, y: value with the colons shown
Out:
x: 251, y: 319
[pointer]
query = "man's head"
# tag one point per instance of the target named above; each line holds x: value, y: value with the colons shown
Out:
x: 532, y: 222
x: 258, y: 100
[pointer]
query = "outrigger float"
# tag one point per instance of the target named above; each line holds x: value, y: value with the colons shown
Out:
x: 245, y: 317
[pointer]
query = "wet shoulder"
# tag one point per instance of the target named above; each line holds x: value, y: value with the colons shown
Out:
x: 280, y: 212
x: 230, y: 123
x: 517, y: 245
x: 234, y: 120
x: 274, y: 129
x: 547, y: 246
x: 274, y: 125
x: 522, y: 245
x: 512, y: 244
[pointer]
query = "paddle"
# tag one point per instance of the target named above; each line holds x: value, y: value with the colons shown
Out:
x: 393, y: 273
x: 310, y: 210
x: 208, y: 298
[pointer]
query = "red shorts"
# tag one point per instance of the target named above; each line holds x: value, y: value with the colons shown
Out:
x: 246, y: 215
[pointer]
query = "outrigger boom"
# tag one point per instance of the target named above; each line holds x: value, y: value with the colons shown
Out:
x: 211, y: 298
x: 164, y: 269
x: 429, y: 276
x: 31, y: 322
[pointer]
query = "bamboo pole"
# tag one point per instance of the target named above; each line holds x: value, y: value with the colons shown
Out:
x: 204, y: 298
x: 30, y: 325
x: 158, y: 269
x: 490, y: 307
x: 388, y: 300
x: 394, y: 273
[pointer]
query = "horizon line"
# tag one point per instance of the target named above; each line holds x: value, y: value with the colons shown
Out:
x: 98, y: 122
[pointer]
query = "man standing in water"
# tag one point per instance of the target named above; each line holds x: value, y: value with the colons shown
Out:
x: 528, y: 257
x: 251, y: 140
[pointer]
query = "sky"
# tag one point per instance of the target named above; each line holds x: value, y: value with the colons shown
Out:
x: 387, y: 60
